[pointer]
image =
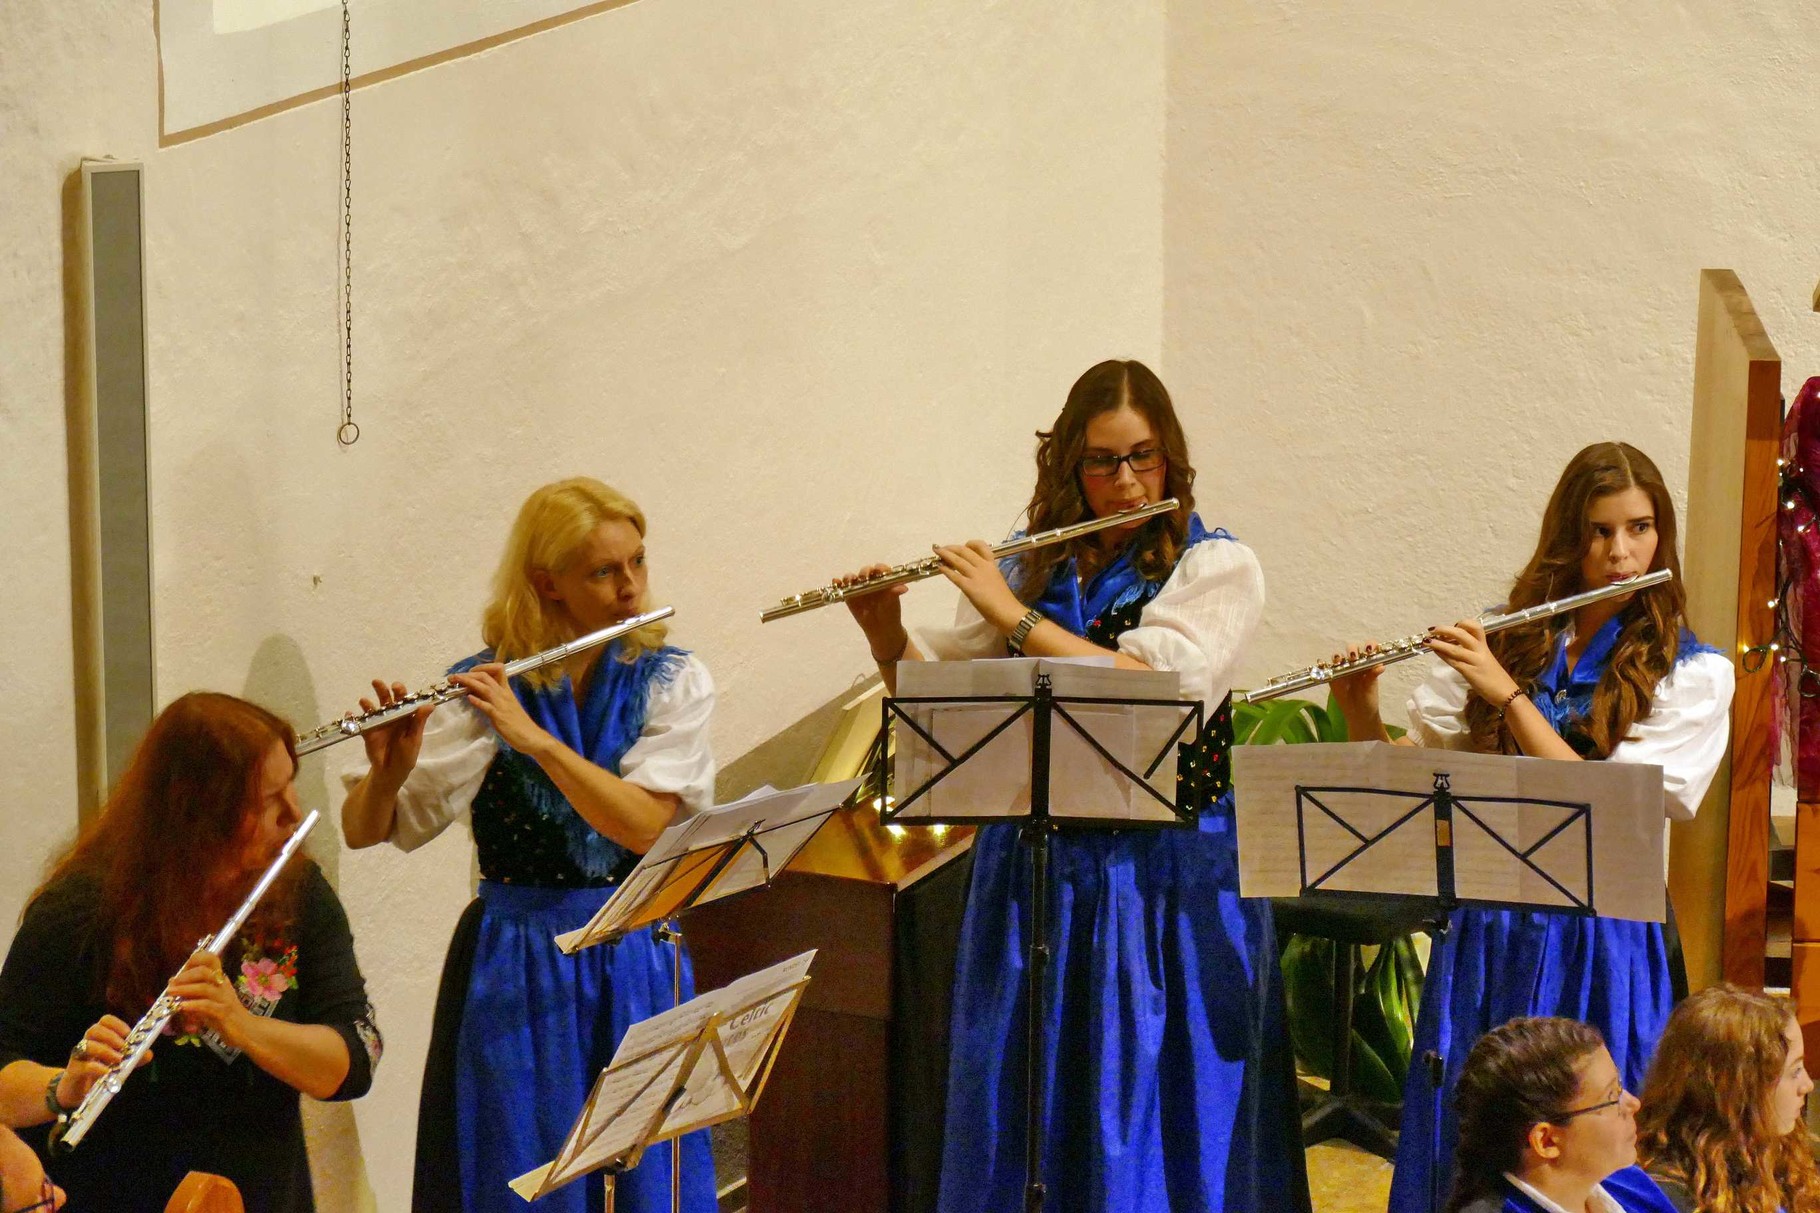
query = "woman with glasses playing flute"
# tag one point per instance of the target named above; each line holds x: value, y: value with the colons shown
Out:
x: 1621, y: 679
x: 204, y: 807
x: 567, y: 775
x: 1169, y: 1073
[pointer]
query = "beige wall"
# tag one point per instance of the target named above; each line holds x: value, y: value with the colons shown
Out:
x: 801, y: 276
x: 1420, y: 252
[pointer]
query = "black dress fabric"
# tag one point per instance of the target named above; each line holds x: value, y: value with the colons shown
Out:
x: 187, y: 1109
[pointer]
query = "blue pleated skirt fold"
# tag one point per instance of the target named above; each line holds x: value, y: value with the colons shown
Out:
x: 1169, y: 1078
x: 1496, y: 965
x: 536, y: 1030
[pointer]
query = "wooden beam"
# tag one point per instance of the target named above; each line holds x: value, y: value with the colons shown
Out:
x: 1719, y: 862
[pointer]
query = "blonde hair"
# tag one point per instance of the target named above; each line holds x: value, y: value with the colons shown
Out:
x: 552, y: 525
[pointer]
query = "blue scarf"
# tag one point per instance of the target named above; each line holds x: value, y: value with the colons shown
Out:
x: 602, y: 726
x: 1565, y: 697
x: 1115, y: 588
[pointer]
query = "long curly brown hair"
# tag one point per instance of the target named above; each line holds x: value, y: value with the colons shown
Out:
x: 1708, y: 1123
x: 166, y: 848
x: 1058, y: 499
x: 1518, y: 1075
x: 1650, y: 634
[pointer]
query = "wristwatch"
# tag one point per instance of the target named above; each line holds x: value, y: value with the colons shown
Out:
x: 1021, y: 632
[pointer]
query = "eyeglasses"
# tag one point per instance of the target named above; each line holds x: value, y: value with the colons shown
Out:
x: 1561, y: 1117
x: 47, y: 1198
x: 1108, y: 465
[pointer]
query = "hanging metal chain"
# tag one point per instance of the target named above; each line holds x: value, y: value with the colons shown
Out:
x: 349, y: 433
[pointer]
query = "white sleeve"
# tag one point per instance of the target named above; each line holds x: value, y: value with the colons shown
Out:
x: 1686, y: 731
x: 970, y: 637
x: 1201, y: 619
x: 1437, y: 710
x: 458, y: 747
x: 672, y: 755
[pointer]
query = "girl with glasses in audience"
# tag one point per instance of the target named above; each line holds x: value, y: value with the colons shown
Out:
x: 1546, y: 1126
x: 1722, y: 1125
x: 1169, y: 1075
x: 1621, y: 680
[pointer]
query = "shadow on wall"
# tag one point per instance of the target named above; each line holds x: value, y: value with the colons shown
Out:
x: 280, y: 680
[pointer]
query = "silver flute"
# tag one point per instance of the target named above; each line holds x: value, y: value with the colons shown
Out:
x: 929, y: 566
x: 1415, y: 646
x: 354, y: 724
x: 69, y: 1133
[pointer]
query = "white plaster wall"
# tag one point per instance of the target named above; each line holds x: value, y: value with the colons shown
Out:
x: 1419, y: 252
x: 801, y: 276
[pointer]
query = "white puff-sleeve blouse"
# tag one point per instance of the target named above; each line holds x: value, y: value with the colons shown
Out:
x: 672, y: 756
x: 1197, y: 625
x: 1685, y: 733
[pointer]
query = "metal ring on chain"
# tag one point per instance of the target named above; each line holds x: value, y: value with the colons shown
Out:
x: 347, y: 434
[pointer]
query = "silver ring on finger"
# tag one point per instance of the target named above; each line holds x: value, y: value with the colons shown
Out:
x: 80, y: 1052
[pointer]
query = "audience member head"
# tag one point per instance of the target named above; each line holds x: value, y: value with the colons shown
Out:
x: 1540, y: 1099
x: 1722, y: 1108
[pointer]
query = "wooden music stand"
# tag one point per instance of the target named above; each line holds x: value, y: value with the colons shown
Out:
x: 687, y: 1068
x: 730, y: 849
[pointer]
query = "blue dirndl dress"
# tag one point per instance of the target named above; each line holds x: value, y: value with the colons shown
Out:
x: 521, y: 1030
x: 1169, y: 1076
x: 1497, y: 965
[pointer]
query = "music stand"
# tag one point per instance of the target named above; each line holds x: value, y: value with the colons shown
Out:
x: 1003, y: 715
x: 730, y: 849
x: 1447, y: 829
x: 695, y: 1065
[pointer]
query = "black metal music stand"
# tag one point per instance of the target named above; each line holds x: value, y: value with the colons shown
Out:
x: 1351, y: 820
x: 1041, y: 710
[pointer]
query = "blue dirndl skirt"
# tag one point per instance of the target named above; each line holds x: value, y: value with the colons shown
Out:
x: 1496, y: 965
x: 536, y: 1029
x: 1170, y: 1082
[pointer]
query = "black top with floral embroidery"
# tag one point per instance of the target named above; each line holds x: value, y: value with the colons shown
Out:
x: 196, y: 1106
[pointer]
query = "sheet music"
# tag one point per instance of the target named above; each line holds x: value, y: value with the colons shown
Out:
x: 995, y: 781
x: 1524, y: 831
x: 627, y: 1098
x: 618, y: 1118
x: 752, y: 1011
x: 667, y: 876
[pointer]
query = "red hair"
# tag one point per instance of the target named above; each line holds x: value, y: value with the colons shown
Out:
x: 166, y: 849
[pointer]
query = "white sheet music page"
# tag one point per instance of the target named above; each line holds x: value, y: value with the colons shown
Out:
x: 1533, y: 832
x: 995, y: 781
x: 752, y: 1013
x: 780, y: 823
x: 629, y: 1094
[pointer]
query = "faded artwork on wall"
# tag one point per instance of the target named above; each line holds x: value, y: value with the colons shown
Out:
x: 226, y: 61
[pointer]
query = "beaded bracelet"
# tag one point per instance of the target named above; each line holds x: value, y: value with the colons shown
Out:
x: 1509, y: 699
x: 51, y: 1101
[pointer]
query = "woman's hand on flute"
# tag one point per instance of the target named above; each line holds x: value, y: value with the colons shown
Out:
x: 1356, y: 695
x: 880, y: 614
x: 1463, y: 646
x: 974, y: 571
x: 99, y: 1051
x: 491, y: 694
x: 392, y: 749
x: 209, y: 999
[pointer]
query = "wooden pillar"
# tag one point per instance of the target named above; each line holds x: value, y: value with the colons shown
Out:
x: 1719, y: 862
